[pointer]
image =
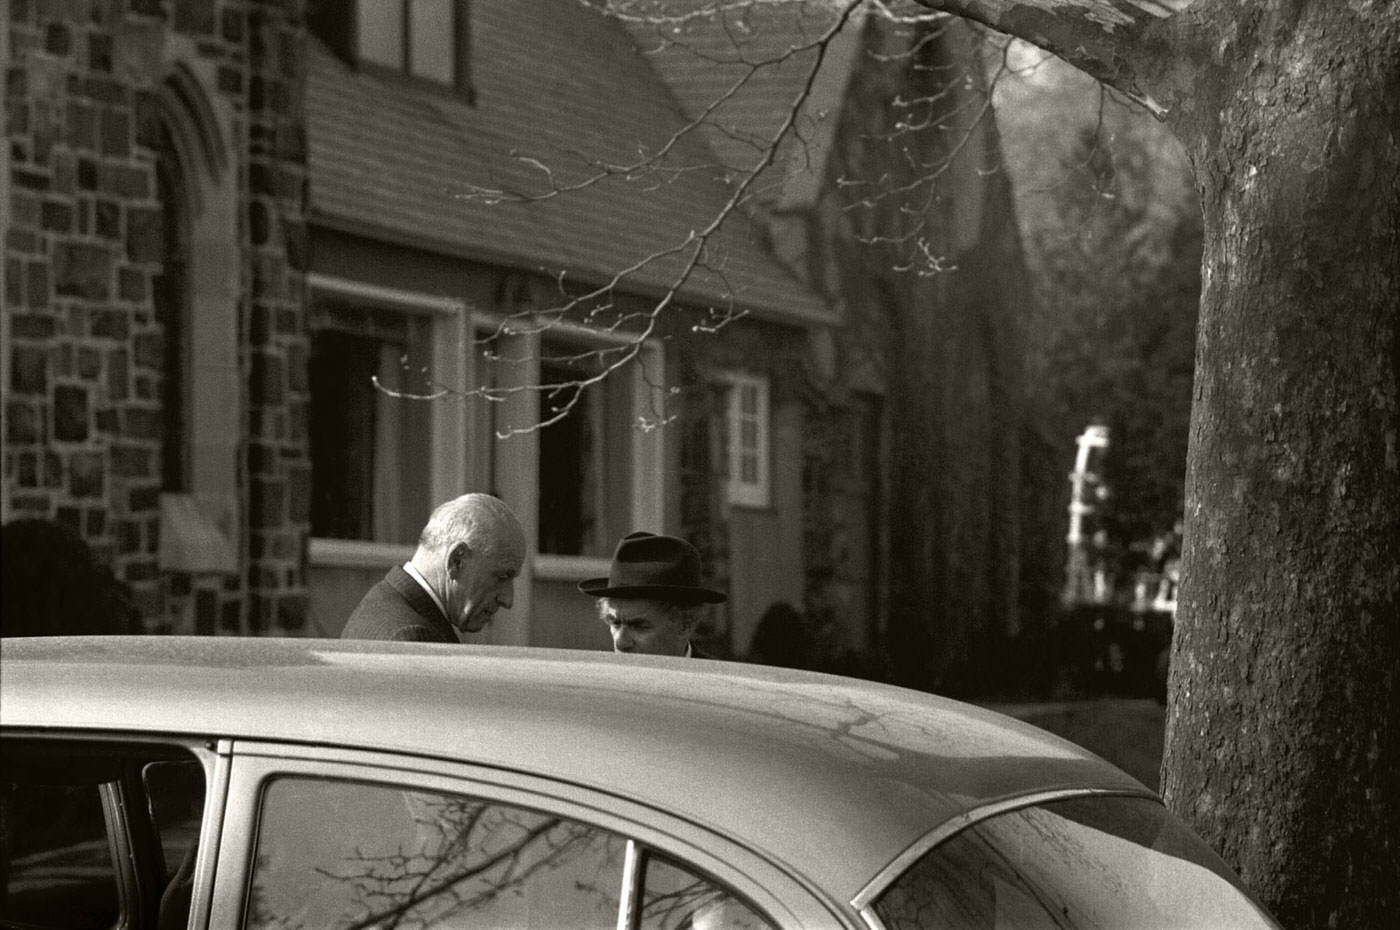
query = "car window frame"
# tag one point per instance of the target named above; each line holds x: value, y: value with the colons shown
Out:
x: 132, y: 896
x: 782, y: 897
x: 864, y: 901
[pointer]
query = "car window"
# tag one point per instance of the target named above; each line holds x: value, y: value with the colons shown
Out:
x: 1092, y: 862
x: 81, y: 833
x: 175, y: 795
x: 55, y: 856
x: 353, y: 855
x: 175, y: 792
x: 673, y: 897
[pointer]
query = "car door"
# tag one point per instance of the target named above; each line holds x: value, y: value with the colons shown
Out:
x: 320, y: 837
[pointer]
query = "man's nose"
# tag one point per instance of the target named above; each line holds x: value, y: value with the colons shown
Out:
x: 622, y: 639
x: 507, y: 596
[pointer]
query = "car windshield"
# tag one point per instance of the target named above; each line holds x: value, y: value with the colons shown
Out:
x: 1098, y: 862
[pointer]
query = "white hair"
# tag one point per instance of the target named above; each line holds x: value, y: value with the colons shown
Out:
x: 483, y: 522
x: 683, y: 613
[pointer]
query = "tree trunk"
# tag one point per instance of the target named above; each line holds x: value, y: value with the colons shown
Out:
x: 1283, y: 737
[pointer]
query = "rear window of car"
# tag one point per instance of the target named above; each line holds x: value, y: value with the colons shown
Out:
x: 1087, y: 862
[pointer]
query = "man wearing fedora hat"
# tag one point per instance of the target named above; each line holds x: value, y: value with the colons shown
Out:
x: 652, y: 599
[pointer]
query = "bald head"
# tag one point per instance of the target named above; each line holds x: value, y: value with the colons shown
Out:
x: 470, y: 552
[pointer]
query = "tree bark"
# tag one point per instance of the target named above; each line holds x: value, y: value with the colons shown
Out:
x: 1283, y: 735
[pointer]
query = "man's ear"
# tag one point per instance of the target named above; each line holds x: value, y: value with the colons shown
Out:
x: 457, y: 557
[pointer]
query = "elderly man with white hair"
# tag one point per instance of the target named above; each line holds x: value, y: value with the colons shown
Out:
x: 462, y: 572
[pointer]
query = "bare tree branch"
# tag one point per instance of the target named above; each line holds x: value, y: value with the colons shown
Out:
x: 1095, y: 35
x: 697, y: 251
x: 1106, y: 39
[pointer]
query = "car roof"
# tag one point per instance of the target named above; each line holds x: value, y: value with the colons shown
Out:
x: 831, y: 776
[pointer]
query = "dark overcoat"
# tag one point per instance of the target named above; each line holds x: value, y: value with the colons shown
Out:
x: 397, y: 608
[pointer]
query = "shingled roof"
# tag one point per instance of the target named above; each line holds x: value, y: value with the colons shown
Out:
x: 557, y: 86
x: 745, y: 67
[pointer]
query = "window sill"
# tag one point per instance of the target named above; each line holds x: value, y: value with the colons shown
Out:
x: 751, y: 507
x: 356, y: 553
x: 569, y: 567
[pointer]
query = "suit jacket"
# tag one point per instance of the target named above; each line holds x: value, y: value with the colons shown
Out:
x: 397, y: 608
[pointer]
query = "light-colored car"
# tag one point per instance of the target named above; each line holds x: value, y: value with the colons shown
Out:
x: 216, y: 782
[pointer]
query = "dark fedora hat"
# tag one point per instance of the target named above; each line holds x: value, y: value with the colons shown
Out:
x: 666, y: 568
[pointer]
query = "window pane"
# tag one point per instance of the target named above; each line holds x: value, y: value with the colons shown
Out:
x: 176, y: 793
x: 748, y: 434
x: 674, y: 897
x: 432, y: 39
x: 59, y: 871
x: 748, y: 426
x: 1087, y: 863
x: 572, y: 452
x: 73, y: 829
x: 345, y: 854
x: 371, y: 447
x: 381, y: 32
x: 344, y: 404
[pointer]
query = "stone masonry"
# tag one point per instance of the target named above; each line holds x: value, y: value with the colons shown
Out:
x: 83, y: 256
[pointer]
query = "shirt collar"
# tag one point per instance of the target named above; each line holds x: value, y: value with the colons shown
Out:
x: 423, y: 583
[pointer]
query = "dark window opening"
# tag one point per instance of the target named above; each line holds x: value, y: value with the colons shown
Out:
x: 567, y: 449
x: 58, y: 865
x: 171, y: 294
x: 370, y: 426
x: 343, y: 408
x: 98, y: 835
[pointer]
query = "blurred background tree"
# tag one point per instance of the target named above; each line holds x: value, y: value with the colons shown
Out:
x: 1113, y: 239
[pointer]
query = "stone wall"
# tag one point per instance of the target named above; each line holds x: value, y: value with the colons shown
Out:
x: 89, y: 99
x: 278, y: 461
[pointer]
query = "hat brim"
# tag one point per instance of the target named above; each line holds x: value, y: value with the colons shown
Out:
x: 598, y: 587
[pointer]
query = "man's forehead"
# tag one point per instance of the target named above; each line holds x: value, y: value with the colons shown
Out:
x: 634, y: 610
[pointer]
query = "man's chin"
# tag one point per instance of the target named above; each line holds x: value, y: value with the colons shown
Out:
x: 477, y: 624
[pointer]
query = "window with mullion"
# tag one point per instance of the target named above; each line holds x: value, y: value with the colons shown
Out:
x: 748, y: 428
x: 417, y: 37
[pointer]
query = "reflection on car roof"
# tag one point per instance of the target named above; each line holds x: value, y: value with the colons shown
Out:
x: 831, y: 775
